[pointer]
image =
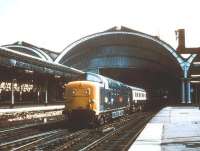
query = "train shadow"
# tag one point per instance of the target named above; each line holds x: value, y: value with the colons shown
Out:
x: 77, y: 125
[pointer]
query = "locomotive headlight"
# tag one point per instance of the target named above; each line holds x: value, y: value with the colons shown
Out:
x: 87, y: 92
x: 91, y: 101
x: 73, y: 92
x: 106, y: 100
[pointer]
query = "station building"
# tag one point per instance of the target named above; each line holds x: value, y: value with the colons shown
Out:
x: 34, y: 75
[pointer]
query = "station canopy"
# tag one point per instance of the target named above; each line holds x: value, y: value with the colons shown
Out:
x: 30, y: 57
x: 33, y: 50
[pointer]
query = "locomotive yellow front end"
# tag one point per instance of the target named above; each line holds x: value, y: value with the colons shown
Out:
x: 81, y: 100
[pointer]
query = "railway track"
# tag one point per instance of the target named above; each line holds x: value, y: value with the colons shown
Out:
x: 121, y: 137
x: 19, y: 143
x: 52, y: 140
x: 72, y: 140
x: 108, y: 137
x: 66, y: 142
x: 34, y: 138
x: 93, y: 138
x: 8, y: 135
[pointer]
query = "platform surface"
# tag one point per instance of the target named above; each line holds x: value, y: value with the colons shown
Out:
x: 30, y: 108
x: 172, y: 129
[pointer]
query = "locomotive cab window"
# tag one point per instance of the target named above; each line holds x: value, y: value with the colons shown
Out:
x: 93, y: 78
x: 90, y: 77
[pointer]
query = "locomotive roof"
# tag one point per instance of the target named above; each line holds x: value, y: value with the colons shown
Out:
x: 136, y: 88
x: 115, y: 81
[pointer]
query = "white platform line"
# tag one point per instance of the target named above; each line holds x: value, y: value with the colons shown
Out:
x: 26, y: 109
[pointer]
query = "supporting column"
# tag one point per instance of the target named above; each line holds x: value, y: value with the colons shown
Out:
x: 46, y: 93
x: 0, y: 94
x: 12, y: 93
x: 196, y: 95
x: 183, y: 91
x: 20, y: 93
x: 38, y: 96
x: 20, y: 96
x: 46, y: 97
x: 189, y: 91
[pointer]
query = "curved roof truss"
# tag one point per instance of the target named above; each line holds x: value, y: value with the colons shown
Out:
x: 38, y: 52
x: 84, y: 39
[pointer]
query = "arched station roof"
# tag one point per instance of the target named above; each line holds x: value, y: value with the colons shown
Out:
x: 29, y: 49
x: 121, y: 48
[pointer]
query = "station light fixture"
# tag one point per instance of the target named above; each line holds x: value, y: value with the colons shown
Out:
x: 196, y: 63
x: 195, y: 75
x: 195, y: 81
x: 57, y: 76
x: 185, y: 56
x: 29, y: 71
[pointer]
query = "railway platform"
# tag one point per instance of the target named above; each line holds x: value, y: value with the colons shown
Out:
x: 172, y: 129
x: 20, y: 115
x: 30, y: 108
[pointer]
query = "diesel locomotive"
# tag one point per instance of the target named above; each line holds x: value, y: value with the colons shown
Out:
x: 96, y: 99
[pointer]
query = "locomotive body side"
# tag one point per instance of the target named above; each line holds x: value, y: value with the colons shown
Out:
x: 115, y: 100
x: 97, y: 99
